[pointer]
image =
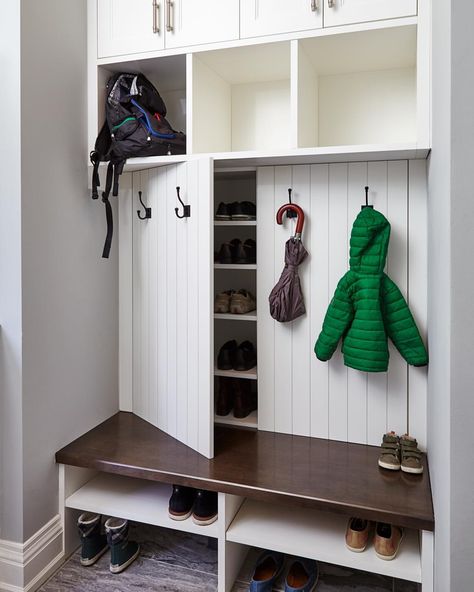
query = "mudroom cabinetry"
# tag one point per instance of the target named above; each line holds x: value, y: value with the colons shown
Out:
x: 344, y: 12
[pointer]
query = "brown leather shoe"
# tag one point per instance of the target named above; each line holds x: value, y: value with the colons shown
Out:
x: 244, y: 400
x: 387, y: 540
x: 357, y: 534
x: 225, y: 397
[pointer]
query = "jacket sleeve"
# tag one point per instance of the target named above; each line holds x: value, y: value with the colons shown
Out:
x: 400, y: 325
x: 336, y: 322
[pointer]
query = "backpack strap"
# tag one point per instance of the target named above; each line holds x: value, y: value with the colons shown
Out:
x: 108, y: 210
x: 100, y: 152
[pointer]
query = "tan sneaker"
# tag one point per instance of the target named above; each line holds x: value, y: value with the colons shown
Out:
x: 242, y: 302
x: 390, y: 452
x: 387, y: 540
x: 357, y: 534
x: 222, y: 302
x: 411, y: 455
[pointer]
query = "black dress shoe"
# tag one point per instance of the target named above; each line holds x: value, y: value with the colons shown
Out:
x: 239, y: 254
x: 250, y: 249
x: 245, y: 357
x: 223, y: 212
x: 244, y: 400
x: 181, y: 502
x: 248, y: 211
x: 205, y: 508
x: 226, y: 355
x: 225, y: 254
x: 225, y: 397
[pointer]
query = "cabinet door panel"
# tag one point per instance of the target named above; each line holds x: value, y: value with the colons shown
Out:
x: 129, y: 26
x: 172, y: 304
x: 193, y: 22
x: 343, y: 12
x: 270, y: 17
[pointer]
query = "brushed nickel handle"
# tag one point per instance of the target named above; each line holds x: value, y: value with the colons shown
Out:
x: 169, y: 24
x: 156, y: 16
x: 331, y: 3
x: 314, y: 5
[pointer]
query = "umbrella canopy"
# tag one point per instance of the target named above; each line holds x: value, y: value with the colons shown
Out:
x: 286, y: 299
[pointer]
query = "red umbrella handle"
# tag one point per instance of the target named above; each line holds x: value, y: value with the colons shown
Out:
x: 299, y: 212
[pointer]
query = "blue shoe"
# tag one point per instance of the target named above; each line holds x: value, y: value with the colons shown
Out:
x: 302, y: 576
x: 267, y: 570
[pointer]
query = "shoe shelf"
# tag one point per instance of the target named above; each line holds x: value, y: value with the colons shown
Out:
x: 251, y: 421
x: 133, y: 499
x: 318, y: 535
x: 235, y: 223
x: 249, y: 374
x: 235, y: 266
x: 236, y: 317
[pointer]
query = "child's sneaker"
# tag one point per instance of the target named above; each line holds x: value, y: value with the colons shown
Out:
x: 122, y: 551
x: 390, y: 452
x: 94, y: 543
x: 411, y: 455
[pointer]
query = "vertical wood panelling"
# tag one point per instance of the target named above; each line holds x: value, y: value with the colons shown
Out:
x: 138, y: 287
x: 283, y: 331
x: 151, y: 200
x: 162, y: 300
x: 338, y: 265
x: 317, y: 242
x: 265, y: 283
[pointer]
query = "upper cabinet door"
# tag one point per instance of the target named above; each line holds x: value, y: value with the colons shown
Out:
x: 129, y: 26
x: 344, y: 12
x: 192, y: 22
x: 270, y: 17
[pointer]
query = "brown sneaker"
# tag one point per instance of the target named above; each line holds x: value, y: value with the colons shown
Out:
x: 222, y: 302
x: 357, y: 534
x: 390, y: 452
x: 411, y: 455
x: 387, y: 540
x: 225, y: 398
x: 244, y: 401
x: 242, y: 302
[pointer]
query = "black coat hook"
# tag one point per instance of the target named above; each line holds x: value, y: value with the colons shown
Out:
x: 366, y: 199
x: 186, y: 209
x: 290, y: 213
x: 147, y: 215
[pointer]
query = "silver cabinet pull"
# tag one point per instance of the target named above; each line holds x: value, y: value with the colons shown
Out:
x: 331, y: 3
x: 169, y: 24
x: 156, y: 16
x: 314, y: 5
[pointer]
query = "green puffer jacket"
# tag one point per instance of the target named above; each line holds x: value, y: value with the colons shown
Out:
x: 368, y: 307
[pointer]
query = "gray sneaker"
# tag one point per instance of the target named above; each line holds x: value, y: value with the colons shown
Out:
x: 242, y: 302
x: 222, y: 302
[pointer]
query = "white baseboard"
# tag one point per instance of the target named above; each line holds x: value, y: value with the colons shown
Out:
x: 24, y: 567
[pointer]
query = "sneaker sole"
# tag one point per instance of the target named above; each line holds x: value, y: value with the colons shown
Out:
x: 205, y: 522
x: 89, y: 562
x: 180, y: 517
x: 354, y: 550
x: 222, y: 217
x: 243, y: 217
x: 387, y: 466
x: 115, y: 569
x: 391, y: 557
x: 411, y: 470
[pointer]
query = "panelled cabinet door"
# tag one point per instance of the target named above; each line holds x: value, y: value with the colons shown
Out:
x: 129, y: 26
x: 172, y: 303
x: 192, y: 22
x: 343, y: 12
x: 270, y: 17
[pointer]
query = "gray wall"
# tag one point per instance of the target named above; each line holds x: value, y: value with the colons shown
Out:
x: 10, y: 279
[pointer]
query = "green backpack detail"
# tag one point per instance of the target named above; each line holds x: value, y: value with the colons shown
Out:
x: 368, y: 307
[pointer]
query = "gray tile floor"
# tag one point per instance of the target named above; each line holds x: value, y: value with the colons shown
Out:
x: 171, y: 561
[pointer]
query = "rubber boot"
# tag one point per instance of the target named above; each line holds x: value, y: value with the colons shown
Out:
x: 122, y: 551
x: 94, y: 544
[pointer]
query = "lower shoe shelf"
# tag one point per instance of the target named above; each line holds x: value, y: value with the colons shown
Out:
x: 318, y: 535
x: 134, y: 499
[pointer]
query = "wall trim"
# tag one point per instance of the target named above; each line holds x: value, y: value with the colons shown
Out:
x: 25, y: 566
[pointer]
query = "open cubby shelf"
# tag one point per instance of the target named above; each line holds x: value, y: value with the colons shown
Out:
x: 251, y: 421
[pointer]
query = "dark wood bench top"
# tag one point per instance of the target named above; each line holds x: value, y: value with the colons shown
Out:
x: 328, y: 475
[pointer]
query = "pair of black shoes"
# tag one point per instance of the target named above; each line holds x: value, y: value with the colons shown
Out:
x: 244, y: 210
x: 233, y: 357
x: 238, y: 252
x: 187, y: 501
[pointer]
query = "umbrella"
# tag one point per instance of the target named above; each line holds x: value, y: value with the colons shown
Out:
x: 286, y: 299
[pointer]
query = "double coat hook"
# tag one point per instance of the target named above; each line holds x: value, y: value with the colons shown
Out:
x: 186, y: 209
x: 147, y: 214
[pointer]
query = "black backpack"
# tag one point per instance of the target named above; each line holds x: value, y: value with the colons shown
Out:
x: 135, y: 126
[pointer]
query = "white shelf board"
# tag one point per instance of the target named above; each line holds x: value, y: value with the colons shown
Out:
x: 318, y: 535
x: 234, y: 266
x: 133, y: 499
x: 235, y: 223
x: 251, y: 421
x: 236, y: 317
x: 249, y: 374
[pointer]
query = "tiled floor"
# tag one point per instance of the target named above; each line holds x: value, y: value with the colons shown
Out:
x: 177, y: 562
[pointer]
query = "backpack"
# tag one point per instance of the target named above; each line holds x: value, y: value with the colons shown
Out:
x: 135, y: 126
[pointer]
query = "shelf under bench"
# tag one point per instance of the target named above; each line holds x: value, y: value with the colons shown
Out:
x: 263, y: 466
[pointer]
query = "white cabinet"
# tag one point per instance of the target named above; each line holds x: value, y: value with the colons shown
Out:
x: 192, y: 22
x: 137, y: 26
x: 172, y: 303
x: 129, y: 26
x: 344, y: 12
x: 270, y: 17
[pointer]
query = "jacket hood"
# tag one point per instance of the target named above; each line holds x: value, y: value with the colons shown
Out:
x: 369, y: 242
